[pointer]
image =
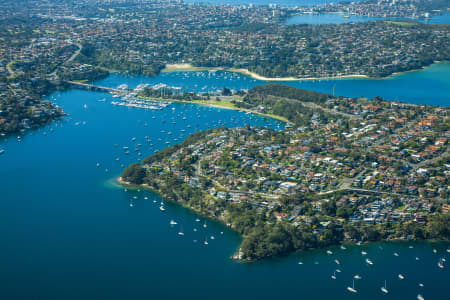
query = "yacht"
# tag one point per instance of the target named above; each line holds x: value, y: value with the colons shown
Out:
x: 434, y: 251
x: 368, y: 261
x: 384, y: 288
x: 204, y: 225
x: 338, y: 270
x: 401, y: 277
x: 334, y: 275
x: 329, y: 252
x: 343, y: 247
x: 212, y: 237
x: 172, y: 222
x: 441, y: 264
x: 395, y: 254
x: 206, y: 241
x: 162, y: 208
x: 357, y: 276
x: 181, y: 232
x: 98, y: 164
x: 300, y: 263
x: 363, y: 252
x: 352, y: 288
x: 197, y: 220
x: 420, y: 297
x: 337, y: 262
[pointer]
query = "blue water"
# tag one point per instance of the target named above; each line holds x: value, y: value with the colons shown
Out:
x: 339, y: 18
x: 428, y: 86
x: 285, y: 3
x: 68, y: 232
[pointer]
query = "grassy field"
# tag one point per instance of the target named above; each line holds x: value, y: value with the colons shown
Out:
x: 225, y: 102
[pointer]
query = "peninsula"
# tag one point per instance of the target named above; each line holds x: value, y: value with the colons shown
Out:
x: 343, y: 170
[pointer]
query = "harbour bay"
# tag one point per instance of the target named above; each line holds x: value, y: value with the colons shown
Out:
x: 63, y: 218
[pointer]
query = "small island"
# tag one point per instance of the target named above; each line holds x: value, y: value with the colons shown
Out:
x: 342, y: 170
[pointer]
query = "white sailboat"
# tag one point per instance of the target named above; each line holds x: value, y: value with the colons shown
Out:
x: 181, y: 231
x: 369, y: 262
x: 441, y: 263
x: 352, y: 288
x: 384, y: 288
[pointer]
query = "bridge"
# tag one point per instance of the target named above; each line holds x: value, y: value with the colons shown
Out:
x: 92, y: 87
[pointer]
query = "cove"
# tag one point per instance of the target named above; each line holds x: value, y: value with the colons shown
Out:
x: 430, y: 85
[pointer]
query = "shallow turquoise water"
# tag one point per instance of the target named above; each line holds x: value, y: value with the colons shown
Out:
x: 68, y: 232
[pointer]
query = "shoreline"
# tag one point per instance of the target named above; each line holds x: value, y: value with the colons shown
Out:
x: 190, y: 68
x: 123, y: 183
x: 236, y: 256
